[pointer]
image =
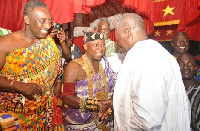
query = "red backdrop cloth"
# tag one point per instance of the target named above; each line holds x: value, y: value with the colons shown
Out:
x: 11, y: 14
x: 187, y: 12
x: 143, y: 8
x: 63, y: 10
x: 190, y: 19
x: 12, y: 18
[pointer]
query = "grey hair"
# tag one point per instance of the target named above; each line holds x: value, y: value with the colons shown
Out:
x: 96, y: 23
x: 31, y: 5
x: 132, y: 20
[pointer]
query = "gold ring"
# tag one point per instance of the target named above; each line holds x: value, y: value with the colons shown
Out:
x: 35, y: 96
x: 109, y: 111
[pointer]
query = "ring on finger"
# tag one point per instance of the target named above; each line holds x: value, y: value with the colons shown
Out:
x: 35, y: 96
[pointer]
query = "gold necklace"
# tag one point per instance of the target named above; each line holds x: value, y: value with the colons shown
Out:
x: 100, y: 95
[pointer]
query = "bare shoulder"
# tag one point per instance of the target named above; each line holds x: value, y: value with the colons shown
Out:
x: 73, y: 71
x: 73, y: 66
x: 8, y: 42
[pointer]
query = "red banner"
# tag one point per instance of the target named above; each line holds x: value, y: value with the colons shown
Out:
x: 168, y: 12
x: 184, y: 13
x: 143, y: 8
x: 164, y: 33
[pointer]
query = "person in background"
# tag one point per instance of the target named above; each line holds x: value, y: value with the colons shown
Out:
x: 75, y: 50
x: 112, y: 53
x: 192, y: 86
x: 88, y: 88
x: 59, y: 36
x: 180, y: 43
x: 29, y: 69
x: 147, y: 96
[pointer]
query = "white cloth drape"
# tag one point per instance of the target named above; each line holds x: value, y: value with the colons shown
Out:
x: 149, y: 93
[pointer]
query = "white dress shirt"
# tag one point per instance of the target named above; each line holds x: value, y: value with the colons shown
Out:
x: 149, y: 93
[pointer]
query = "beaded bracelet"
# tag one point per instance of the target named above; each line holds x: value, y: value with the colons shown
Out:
x: 92, y: 104
x: 89, y: 104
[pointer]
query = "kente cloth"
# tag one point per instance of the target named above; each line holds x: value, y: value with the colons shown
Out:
x: 113, y: 55
x: 8, y: 122
x: 149, y: 93
x: 111, y: 47
x: 74, y: 119
x: 40, y: 63
x: 194, y: 97
x: 4, y: 31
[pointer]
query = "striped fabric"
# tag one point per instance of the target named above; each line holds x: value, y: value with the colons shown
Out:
x: 8, y: 122
x: 194, y: 97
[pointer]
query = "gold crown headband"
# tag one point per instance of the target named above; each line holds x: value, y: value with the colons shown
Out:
x: 90, y: 36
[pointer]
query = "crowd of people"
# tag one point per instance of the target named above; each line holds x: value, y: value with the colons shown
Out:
x: 127, y: 85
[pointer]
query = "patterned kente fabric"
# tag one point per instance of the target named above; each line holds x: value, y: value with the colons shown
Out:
x: 39, y: 63
x: 74, y: 119
x: 111, y: 47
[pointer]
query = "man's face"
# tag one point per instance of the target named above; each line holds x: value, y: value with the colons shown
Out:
x: 121, y: 41
x: 40, y: 21
x: 104, y: 28
x: 181, y: 44
x: 187, y: 66
x: 95, y: 49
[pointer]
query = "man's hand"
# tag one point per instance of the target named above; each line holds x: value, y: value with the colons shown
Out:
x: 106, y: 109
x: 53, y: 33
x: 30, y: 90
x: 61, y: 36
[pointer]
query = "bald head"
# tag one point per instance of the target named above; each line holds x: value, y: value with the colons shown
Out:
x: 129, y: 30
x: 179, y: 34
x: 180, y: 43
x: 186, y: 56
x: 130, y: 20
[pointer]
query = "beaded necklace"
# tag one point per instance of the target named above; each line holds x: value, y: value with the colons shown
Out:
x: 101, y: 95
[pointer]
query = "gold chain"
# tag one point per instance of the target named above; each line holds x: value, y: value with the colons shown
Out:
x: 102, y: 95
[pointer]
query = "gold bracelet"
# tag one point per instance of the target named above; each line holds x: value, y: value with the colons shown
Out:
x: 59, y: 102
x: 92, y: 104
x: 58, y: 81
x: 11, y: 84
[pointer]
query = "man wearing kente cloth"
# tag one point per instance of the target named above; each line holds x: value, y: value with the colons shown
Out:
x: 88, y: 88
x: 29, y: 68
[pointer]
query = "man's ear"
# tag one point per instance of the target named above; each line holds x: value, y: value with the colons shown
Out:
x: 85, y: 46
x: 26, y: 19
x: 128, y: 32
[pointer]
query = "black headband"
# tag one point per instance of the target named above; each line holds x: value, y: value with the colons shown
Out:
x: 91, y: 36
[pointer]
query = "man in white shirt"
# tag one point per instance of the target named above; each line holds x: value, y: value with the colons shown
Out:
x: 149, y: 93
